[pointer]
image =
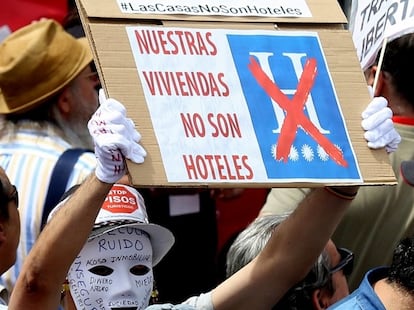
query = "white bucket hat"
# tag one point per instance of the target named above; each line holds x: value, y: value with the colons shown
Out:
x: 124, y: 207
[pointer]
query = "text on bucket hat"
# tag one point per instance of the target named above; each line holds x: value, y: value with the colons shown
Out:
x: 36, y: 62
x: 125, y: 207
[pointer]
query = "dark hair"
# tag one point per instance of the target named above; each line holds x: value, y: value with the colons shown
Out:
x: 72, y: 22
x: 73, y: 25
x: 401, y: 270
x: 398, y: 62
x: 4, y: 202
x: 299, y: 297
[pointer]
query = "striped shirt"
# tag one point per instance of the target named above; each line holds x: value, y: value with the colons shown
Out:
x: 4, y: 295
x: 28, y: 155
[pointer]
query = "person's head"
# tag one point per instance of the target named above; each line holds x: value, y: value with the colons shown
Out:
x: 341, y: 265
x: 9, y: 222
x: 395, y: 76
x: 324, y: 284
x: 72, y: 23
x: 114, y: 268
x: 46, y: 76
x: 401, y: 271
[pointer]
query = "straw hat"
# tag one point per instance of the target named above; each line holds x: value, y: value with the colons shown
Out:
x: 36, y: 62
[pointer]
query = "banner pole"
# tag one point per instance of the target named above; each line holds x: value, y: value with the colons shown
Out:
x: 379, y: 65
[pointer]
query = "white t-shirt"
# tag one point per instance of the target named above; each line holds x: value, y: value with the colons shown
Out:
x: 201, y: 302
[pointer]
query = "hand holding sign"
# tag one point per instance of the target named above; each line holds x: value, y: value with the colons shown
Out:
x: 115, y: 137
x: 380, y: 131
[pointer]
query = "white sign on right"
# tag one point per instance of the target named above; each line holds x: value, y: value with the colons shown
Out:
x: 371, y: 19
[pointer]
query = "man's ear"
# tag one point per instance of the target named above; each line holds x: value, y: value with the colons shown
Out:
x: 370, y: 76
x: 64, y: 101
x: 321, y: 299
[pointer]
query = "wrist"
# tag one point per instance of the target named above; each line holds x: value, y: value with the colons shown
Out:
x: 104, y: 176
x: 343, y: 192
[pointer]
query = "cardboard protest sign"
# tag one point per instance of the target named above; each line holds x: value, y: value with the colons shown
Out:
x: 237, y: 104
x: 325, y: 13
x: 370, y: 21
x: 226, y: 135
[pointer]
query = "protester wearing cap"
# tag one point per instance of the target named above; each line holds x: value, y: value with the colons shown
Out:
x: 115, y: 265
x: 47, y: 95
x: 124, y: 207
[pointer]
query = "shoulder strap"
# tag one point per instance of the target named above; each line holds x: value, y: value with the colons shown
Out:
x: 59, y: 179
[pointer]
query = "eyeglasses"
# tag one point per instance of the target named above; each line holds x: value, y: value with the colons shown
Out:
x: 14, y: 196
x: 346, y: 264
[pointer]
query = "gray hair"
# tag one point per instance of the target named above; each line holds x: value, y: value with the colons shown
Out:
x: 251, y: 241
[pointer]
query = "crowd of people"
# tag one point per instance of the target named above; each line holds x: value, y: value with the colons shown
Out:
x: 75, y: 234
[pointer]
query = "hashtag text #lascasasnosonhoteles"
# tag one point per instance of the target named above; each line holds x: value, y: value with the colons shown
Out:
x: 206, y: 9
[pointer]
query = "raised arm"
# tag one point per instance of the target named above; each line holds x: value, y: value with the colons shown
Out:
x: 289, y: 254
x: 297, y: 242
x: 44, y: 270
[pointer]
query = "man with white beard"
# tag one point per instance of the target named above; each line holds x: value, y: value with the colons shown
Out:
x: 48, y: 94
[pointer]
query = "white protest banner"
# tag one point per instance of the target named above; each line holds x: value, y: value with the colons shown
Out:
x: 242, y: 106
x: 264, y: 8
x: 371, y: 19
x: 399, y: 29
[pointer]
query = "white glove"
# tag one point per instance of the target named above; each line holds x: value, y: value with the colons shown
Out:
x: 115, y: 139
x: 380, y: 131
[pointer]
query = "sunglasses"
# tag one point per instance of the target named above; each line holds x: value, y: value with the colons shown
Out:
x: 346, y: 264
x: 14, y: 196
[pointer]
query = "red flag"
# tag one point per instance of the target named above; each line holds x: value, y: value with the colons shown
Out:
x: 18, y: 13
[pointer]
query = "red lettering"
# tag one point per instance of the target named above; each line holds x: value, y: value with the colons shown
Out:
x: 175, y: 50
x: 118, y: 169
x: 225, y: 125
x: 185, y: 83
x: 226, y: 91
x: 202, y: 167
x: 193, y: 125
x: 222, y: 167
x: 229, y: 170
x: 213, y: 51
x: 247, y: 166
x: 209, y: 159
x: 191, y: 43
x: 174, y: 42
x: 163, y: 42
x: 182, y: 84
x: 116, y: 157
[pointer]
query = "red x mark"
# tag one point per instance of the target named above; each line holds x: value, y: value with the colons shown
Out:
x: 294, y: 111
